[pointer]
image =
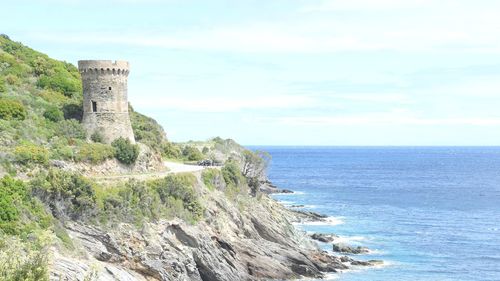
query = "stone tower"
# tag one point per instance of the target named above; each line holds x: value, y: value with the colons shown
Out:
x: 105, y: 105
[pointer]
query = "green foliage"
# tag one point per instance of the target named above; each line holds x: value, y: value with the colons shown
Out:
x: 147, y: 130
x: 192, y: 153
x: 97, y: 137
x: 61, y: 80
x: 171, y: 150
x: 210, y: 177
x: 31, y: 154
x: 71, y: 129
x: 11, y: 109
x: 232, y: 174
x: 235, y: 181
x: 179, y: 187
x: 125, y: 151
x: 137, y: 202
x: 205, y: 150
x: 19, y: 212
x: 53, y: 114
x: 133, y: 202
x: 3, y: 87
x: 66, y: 194
x: 95, y: 153
x: 23, y: 260
x: 73, y: 111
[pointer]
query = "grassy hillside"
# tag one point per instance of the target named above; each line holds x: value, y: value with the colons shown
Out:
x: 40, y: 114
x: 41, y: 110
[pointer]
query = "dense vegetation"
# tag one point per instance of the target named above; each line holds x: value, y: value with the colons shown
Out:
x: 41, y: 110
x: 40, y: 114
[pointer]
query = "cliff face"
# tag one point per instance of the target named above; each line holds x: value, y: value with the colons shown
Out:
x: 246, y: 239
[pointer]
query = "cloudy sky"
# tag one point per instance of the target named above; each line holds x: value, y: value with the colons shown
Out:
x: 286, y: 72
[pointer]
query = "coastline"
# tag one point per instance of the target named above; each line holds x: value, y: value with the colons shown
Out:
x: 339, y: 246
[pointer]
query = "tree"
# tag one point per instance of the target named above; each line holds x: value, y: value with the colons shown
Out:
x: 254, y: 167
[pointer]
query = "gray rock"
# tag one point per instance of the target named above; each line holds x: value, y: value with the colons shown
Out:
x: 325, y: 238
x: 342, y: 248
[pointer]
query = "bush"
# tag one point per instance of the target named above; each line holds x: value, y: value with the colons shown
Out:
x: 95, y: 152
x: 134, y: 202
x: 171, y: 150
x: 125, y: 151
x: 97, y: 137
x: 23, y: 260
x: 53, y: 114
x: 192, y: 153
x: 210, y: 178
x: 235, y: 181
x: 19, y: 212
x: 3, y: 88
x: 179, y: 187
x: 11, y: 109
x: 232, y: 174
x: 73, y: 111
x: 147, y: 130
x: 66, y: 194
x: 31, y: 153
x: 61, y: 80
x: 71, y: 129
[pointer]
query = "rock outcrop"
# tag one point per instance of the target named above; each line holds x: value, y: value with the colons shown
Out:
x: 246, y: 240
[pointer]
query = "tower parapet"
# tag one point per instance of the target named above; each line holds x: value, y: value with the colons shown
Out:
x: 105, y: 101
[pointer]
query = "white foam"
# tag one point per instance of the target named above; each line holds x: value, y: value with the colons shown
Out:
x: 330, y: 221
x: 349, y: 239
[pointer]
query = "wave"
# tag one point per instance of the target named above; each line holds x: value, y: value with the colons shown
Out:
x: 329, y: 221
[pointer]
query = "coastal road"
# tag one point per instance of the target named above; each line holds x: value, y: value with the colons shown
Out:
x: 171, y: 168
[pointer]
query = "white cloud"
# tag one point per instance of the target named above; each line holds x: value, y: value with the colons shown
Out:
x: 393, y: 118
x: 231, y: 104
x: 357, y: 5
x: 401, y: 25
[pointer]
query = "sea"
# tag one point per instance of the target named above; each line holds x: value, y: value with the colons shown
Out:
x: 430, y: 213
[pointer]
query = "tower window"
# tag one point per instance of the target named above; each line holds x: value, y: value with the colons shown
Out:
x: 94, y: 106
x: 109, y: 88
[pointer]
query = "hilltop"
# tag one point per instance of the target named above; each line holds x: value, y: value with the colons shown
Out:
x: 64, y: 224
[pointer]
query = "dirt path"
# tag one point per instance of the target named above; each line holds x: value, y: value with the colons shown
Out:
x: 172, y: 168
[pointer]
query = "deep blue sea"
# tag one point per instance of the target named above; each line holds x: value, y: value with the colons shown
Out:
x: 431, y: 213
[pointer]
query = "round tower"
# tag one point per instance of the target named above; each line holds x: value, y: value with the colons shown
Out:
x: 105, y: 105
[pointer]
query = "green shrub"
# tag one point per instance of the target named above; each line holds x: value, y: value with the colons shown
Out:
x: 73, y: 111
x: 61, y: 80
x: 31, y: 153
x: 66, y: 194
x: 210, y: 177
x: 147, y: 130
x: 23, y: 260
x: 133, y: 202
x: 11, y: 109
x: 12, y: 79
x: 97, y: 137
x: 125, y: 151
x: 3, y: 88
x: 192, y: 153
x: 53, y: 114
x: 179, y: 187
x: 19, y: 212
x: 94, y: 152
x: 63, y: 152
x: 232, y: 174
x: 71, y: 129
x: 171, y: 150
x: 235, y: 181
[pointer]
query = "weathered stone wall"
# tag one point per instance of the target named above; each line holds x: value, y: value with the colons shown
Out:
x: 105, y: 102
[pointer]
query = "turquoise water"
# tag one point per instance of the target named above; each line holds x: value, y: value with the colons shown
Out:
x: 431, y: 213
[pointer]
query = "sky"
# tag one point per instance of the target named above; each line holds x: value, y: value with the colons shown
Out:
x: 290, y: 72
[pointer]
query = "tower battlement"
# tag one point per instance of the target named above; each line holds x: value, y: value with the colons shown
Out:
x: 103, y: 67
x: 105, y: 102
